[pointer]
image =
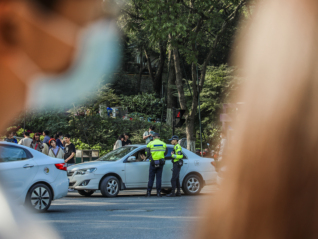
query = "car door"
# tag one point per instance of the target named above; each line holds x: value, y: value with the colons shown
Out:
x: 17, y: 169
x: 167, y: 169
x: 137, y: 172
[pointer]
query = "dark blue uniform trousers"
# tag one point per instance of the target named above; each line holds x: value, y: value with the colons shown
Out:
x: 175, y: 182
x: 153, y: 171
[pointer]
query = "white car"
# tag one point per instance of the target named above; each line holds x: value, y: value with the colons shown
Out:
x: 125, y: 168
x: 30, y: 177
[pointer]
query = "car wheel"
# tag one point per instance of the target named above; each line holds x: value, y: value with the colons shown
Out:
x: 39, y: 197
x: 86, y: 193
x: 109, y: 186
x: 166, y: 190
x: 192, y: 185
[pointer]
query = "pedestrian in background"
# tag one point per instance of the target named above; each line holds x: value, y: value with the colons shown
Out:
x: 156, y: 151
x: 126, y: 140
x: 109, y: 111
x: 148, y: 135
x: 26, y: 141
x: 70, y: 151
x: 46, y: 136
x: 119, y: 142
x: 36, y: 142
x: 55, y: 151
x: 10, y: 138
x: 59, y: 140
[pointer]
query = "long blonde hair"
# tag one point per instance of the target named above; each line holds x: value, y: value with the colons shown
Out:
x: 270, y: 188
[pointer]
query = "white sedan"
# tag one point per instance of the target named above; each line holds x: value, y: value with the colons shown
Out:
x: 30, y: 177
x: 126, y: 168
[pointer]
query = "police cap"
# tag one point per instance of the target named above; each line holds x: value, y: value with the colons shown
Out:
x: 174, y: 137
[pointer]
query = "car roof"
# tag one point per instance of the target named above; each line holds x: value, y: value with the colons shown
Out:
x: 139, y: 145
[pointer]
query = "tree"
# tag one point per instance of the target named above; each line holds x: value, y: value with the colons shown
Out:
x: 194, y: 31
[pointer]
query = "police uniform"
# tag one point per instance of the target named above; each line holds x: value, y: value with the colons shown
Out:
x: 177, y: 164
x: 156, y: 151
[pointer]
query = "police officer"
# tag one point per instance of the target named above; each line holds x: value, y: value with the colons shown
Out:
x: 177, y: 161
x: 156, y: 151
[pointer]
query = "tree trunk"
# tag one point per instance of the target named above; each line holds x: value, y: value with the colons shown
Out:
x: 172, y: 101
x: 190, y: 127
x: 179, y: 82
x: 158, y: 78
x: 140, y: 74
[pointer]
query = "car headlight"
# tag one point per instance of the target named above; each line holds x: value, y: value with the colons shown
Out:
x: 85, y: 171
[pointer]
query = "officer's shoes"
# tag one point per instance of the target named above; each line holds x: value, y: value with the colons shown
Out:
x: 159, y: 195
x: 148, y: 194
x: 171, y: 195
x: 178, y: 194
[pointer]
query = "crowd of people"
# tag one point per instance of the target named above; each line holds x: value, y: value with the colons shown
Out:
x: 58, y: 146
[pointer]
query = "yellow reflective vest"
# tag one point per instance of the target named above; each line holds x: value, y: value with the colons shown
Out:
x: 178, y: 153
x: 157, y: 149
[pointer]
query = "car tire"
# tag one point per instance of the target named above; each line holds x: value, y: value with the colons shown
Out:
x: 109, y: 186
x: 39, y: 197
x: 86, y: 193
x: 192, y: 185
x: 166, y: 190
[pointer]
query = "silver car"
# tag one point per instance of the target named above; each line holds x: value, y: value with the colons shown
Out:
x: 127, y: 168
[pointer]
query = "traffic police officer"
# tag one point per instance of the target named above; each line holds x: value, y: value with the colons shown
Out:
x: 156, y: 151
x: 177, y: 161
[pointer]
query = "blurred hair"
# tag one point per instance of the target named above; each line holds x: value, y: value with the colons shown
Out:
x: 152, y: 127
x: 46, y: 132
x: 26, y: 133
x: 270, y: 187
x: 121, y: 137
x: 45, y: 5
x: 67, y: 136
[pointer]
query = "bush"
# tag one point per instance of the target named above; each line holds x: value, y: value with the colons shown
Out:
x: 93, y: 131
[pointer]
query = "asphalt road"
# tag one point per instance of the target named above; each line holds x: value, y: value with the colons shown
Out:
x: 130, y: 215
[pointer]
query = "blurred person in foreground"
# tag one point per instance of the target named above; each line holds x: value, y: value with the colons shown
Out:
x: 48, y: 47
x: 270, y: 186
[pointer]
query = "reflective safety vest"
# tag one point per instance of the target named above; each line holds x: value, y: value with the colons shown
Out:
x: 157, y: 149
x: 178, y: 153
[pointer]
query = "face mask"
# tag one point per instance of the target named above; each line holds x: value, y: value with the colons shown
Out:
x: 97, y: 58
x: 15, y: 137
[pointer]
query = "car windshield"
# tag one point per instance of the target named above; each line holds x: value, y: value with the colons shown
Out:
x: 117, y: 154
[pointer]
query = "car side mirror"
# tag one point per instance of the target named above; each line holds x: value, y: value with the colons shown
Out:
x: 131, y: 159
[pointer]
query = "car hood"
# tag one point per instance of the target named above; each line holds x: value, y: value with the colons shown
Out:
x: 92, y: 164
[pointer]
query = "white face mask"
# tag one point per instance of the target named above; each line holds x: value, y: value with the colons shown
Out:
x: 97, y: 57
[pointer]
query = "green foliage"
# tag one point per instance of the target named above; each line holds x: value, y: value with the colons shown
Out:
x: 93, y: 131
x: 219, y: 87
x: 147, y: 105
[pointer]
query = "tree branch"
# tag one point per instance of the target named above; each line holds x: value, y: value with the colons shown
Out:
x: 216, y: 41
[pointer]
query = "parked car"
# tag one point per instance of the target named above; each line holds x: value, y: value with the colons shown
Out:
x: 125, y: 168
x: 30, y: 177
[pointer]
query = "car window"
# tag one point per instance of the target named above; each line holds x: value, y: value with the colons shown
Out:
x: 117, y: 154
x: 168, y: 155
x: 141, y: 156
x: 10, y: 154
